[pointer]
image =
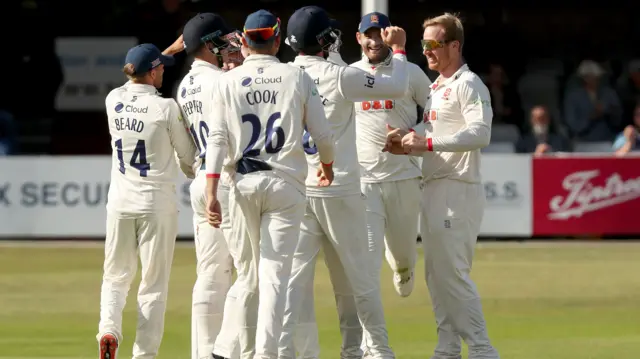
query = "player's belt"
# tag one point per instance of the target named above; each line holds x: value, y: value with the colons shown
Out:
x: 249, y: 165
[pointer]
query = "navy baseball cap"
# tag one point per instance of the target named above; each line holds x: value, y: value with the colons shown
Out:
x: 203, y: 27
x: 146, y: 57
x: 373, y: 19
x: 307, y: 26
x: 261, y: 28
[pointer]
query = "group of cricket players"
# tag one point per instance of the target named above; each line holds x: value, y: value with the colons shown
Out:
x: 288, y: 159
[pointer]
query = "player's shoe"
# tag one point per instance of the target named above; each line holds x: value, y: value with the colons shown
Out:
x: 403, y: 282
x: 108, y: 346
x: 214, y: 356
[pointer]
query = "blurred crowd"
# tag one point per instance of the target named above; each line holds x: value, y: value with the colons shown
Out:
x: 563, y: 102
x: 590, y: 109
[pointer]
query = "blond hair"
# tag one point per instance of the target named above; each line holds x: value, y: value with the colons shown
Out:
x: 129, y: 70
x: 452, y: 25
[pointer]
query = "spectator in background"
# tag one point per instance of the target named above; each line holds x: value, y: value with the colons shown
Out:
x: 543, y: 135
x: 629, y: 89
x: 592, y: 111
x: 504, y: 98
x: 8, y: 135
x: 629, y: 140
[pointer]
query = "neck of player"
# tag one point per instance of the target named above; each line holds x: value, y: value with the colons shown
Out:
x: 452, y: 68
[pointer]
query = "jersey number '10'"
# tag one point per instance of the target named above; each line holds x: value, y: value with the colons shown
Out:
x: 201, y: 141
x: 138, y: 158
x: 271, y: 130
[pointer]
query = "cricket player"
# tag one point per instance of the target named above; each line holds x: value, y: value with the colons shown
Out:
x: 147, y: 134
x: 214, y: 47
x: 262, y: 109
x: 335, y: 216
x: 457, y: 124
x: 391, y: 184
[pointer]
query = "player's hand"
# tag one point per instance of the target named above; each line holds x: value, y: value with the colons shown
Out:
x: 542, y: 148
x: 214, y: 212
x: 414, y: 143
x: 176, y: 47
x: 394, y: 140
x: 394, y: 37
x: 325, y: 175
x: 630, y: 133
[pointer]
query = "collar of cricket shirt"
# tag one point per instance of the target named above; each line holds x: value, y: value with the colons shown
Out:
x: 262, y: 58
x: 202, y: 63
x: 383, y: 63
x: 144, y: 88
x: 439, y: 82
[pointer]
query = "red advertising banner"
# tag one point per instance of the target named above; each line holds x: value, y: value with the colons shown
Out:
x: 586, y: 196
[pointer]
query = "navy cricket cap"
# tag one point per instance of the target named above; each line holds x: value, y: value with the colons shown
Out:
x: 306, y: 26
x: 202, y: 26
x: 261, y: 28
x: 145, y: 57
x: 373, y: 19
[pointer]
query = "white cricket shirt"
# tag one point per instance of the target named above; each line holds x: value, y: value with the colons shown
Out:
x: 263, y: 107
x: 372, y: 117
x: 339, y: 86
x: 194, y: 97
x: 147, y: 134
x: 457, y: 123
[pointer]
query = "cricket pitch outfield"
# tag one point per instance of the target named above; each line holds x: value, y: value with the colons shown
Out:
x: 541, y: 300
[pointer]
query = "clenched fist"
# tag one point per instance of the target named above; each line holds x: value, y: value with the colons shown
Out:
x: 414, y: 143
x: 394, y: 37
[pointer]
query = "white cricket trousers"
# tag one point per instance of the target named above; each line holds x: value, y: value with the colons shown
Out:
x: 337, y: 225
x: 214, y: 270
x: 393, y: 209
x: 153, y: 239
x: 451, y: 216
x: 265, y: 213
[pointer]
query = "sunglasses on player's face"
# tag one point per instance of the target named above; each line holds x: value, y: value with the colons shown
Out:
x: 263, y: 34
x: 430, y: 45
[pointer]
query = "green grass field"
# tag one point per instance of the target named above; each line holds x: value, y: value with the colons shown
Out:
x: 548, y: 301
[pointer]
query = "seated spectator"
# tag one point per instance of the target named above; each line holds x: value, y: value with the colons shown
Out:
x: 543, y: 135
x: 629, y: 89
x: 504, y: 98
x: 7, y: 134
x: 592, y: 111
x: 629, y: 140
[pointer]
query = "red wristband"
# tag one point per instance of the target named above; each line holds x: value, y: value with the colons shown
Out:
x: 429, y: 144
x: 402, y: 52
x: 412, y: 130
x: 326, y: 164
x: 213, y: 175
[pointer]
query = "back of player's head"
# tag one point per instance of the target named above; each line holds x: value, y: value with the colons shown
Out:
x: 310, y: 30
x: 203, y: 29
x: 261, y: 30
x: 142, y: 64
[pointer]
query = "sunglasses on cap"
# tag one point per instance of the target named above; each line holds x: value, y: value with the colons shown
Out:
x: 263, y: 34
x: 428, y: 45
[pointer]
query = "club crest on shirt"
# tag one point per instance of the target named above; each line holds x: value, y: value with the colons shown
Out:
x: 446, y: 94
x: 430, y: 115
x: 377, y: 105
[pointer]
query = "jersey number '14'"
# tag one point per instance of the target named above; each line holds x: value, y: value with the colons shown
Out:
x: 271, y: 144
x: 138, y: 158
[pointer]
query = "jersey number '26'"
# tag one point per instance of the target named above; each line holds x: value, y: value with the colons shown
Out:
x: 138, y: 158
x: 274, y: 136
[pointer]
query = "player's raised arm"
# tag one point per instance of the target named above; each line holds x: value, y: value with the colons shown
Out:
x: 358, y: 85
x: 316, y: 121
x: 181, y: 140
